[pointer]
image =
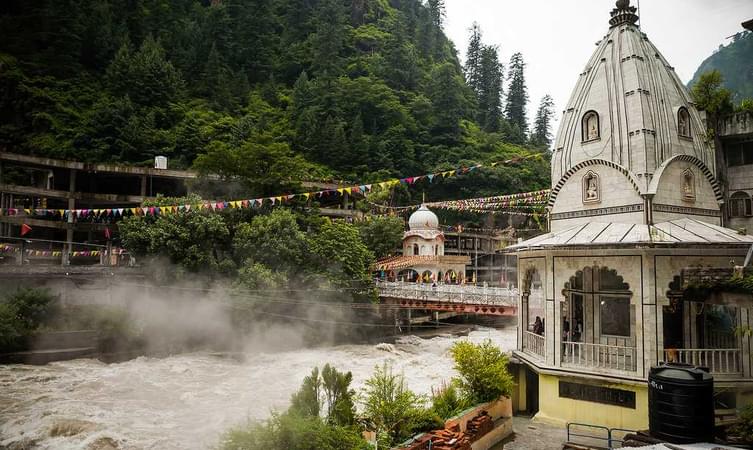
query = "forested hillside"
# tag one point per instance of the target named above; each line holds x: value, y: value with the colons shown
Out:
x: 735, y: 62
x: 260, y: 89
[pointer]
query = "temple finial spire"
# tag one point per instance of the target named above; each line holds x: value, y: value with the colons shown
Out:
x: 623, y: 13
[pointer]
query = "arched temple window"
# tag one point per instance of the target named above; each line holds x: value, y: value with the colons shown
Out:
x: 533, y: 302
x: 597, y: 307
x: 683, y: 122
x: 591, y: 188
x: 415, y: 249
x: 591, y: 130
x: 740, y: 205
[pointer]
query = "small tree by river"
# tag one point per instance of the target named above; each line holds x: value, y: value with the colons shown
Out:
x: 483, y: 371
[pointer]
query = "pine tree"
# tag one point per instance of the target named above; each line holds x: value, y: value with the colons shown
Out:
x: 490, y: 90
x: 329, y: 38
x: 437, y: 12
x: 473, y: 58
x: 517, y: 95
x: 146, y: 76
x: 542, y: 124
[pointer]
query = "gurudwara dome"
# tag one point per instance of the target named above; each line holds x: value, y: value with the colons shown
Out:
x: 630, y: 121
x: 423, y: 219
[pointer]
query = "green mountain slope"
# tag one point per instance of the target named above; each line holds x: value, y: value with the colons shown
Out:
x: 735, y: 62
x: 357, y: 89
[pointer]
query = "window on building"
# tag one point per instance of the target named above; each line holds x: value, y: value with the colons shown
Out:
x: 415, y: 249
x: 739, y: 154
x: 591, y: 130
x: 615, y: 316
x: 740, y: 205
x: 603, y: 291
x: 683, y: 122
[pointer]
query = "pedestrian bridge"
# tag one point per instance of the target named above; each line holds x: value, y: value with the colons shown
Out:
x: 461, y: 299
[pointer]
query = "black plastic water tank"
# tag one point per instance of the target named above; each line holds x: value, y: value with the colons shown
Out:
x: 681, y: 403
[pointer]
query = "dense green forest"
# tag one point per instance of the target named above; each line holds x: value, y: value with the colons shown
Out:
x: 267, y: 91
x: 735, y: 63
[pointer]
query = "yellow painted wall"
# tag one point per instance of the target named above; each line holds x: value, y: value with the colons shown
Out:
x: 558, y: 410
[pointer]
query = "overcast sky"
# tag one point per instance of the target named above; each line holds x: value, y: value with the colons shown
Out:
x: 558, y: 37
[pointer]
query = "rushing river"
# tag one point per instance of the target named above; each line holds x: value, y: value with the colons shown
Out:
x: 187, y: 401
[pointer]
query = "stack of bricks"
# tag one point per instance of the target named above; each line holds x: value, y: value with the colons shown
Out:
x: 454, y: 439
x: 479, y: 426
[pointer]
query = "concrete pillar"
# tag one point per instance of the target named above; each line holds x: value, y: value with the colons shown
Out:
x: 410, y: 318
x: 745, y: 347
x: 71, y: 206
x: 143, y: 186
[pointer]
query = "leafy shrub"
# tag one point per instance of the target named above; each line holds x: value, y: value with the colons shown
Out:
x: 392, y: 410
x: 294, y: 432
x: 21, y: 315
x: 446, y: 402
x: 483, y: 371
x: 744, y: 428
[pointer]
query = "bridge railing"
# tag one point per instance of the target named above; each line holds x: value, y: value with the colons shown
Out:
x: 15, y: 250
x: 450, y: 293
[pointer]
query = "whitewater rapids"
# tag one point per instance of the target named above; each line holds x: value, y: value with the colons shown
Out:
x: 188, y: 401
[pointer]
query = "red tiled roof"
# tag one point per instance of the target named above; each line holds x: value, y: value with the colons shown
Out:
x: 403, y: 262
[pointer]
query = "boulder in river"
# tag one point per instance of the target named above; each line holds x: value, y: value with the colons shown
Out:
x: 71, y: 427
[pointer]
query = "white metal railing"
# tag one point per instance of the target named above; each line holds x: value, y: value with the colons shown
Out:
x: 451, y: 293
x: 599, y: 356
x: 723, y: 361
x: 534, y: 344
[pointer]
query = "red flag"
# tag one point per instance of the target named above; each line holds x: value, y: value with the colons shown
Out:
x: 25, y: 229
x: 107, y: 233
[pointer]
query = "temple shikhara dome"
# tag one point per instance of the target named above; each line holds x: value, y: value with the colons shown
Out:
x: 630, y: 121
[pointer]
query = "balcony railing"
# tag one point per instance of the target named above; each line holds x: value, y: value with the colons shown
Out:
x: 534, y: 344
x: 600, y: 356
x: 723, y: 361
x: 451, y: 293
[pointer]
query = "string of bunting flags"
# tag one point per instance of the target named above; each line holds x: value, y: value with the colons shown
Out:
x: 362, y: 189
x: 4, y: 248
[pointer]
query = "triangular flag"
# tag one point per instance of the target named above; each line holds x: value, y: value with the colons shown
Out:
x: 25, y: 229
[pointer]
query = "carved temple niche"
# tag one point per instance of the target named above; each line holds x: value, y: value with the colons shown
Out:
x: 591, y: 188
x: 591, y: 131
x: 688, y: 186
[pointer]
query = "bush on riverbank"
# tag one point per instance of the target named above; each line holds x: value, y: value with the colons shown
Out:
x: 392, y: 411
x: 483, y: 371
x: 447, y: 402
x: 321, y: 417
x: 290, y: 431
x: 21, y: 314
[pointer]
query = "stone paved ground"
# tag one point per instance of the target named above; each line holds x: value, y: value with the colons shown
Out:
x: 533, y: 436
